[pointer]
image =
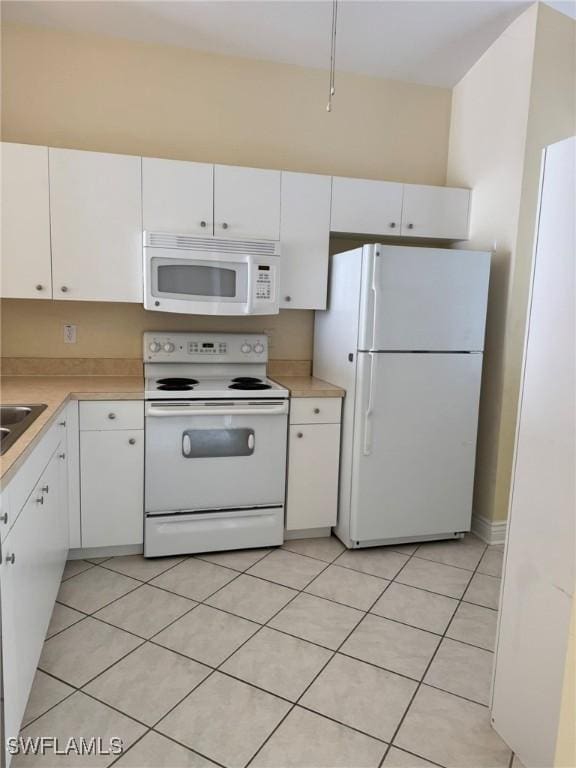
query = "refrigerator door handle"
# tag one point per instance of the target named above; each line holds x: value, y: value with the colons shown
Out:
x: 367, y: 447
x: 376, y: 265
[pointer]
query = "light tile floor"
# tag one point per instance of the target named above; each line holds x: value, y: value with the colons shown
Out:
x: 308, y: 656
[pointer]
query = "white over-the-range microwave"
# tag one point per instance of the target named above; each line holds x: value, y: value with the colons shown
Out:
x: 197, y: 275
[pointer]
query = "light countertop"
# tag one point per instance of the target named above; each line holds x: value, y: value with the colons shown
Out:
x: 55, y: 392
x: 308, y: 386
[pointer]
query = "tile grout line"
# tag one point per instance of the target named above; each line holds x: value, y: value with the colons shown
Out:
x: 431, y: 661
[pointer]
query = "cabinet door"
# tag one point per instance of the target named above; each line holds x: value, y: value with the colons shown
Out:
x: 312, y: 495
x: 26, y: 268
x: 304, y: 239
x: 112, y: 487
x: 33, y: 557
x: 435, y: 212
x: 366, y: 207
x: 246, y: 202
x: 177, y: 196
x: 95, y: 204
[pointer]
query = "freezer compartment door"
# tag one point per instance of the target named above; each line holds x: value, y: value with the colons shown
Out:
x: 429, y: 299
x: 414, y: 444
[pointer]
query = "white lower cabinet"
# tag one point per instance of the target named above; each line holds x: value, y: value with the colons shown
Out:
x: 313, y: 464
x: 33, y: 557
x: 111, y: 476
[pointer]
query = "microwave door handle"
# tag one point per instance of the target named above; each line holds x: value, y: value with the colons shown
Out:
x: 250, y: 288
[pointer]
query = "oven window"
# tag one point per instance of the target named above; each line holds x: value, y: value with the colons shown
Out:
x: 197, y: 280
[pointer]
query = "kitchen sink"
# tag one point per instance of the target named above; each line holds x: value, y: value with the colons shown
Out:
x: 14, y: 421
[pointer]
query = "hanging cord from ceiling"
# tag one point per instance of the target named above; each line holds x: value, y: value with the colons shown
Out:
x: 332, y: 88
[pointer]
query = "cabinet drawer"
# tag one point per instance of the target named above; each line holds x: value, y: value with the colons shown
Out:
x: 315, y: 410
x: 112, y: 414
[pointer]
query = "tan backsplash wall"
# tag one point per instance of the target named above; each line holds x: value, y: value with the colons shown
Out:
x: 80, y: 91
x: 36, y: 329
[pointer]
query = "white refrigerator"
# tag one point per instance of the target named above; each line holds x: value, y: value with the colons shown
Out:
x: 404, y: 336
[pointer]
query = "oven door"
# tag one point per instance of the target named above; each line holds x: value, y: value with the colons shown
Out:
x: 207, y: 284
x: 215, y: 455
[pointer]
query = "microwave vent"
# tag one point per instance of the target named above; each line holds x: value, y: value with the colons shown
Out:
x: 210, y: 244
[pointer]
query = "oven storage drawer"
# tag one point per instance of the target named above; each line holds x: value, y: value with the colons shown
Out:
x: 206, y: 532
x: 112, y: 414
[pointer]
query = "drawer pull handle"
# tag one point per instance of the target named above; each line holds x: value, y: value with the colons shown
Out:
x: 410, y: 226
x: 316, y: 410
x: 61, y: 423
x: 202, y: 223
x: 11, y: 559
x: 39, y: 287
x: 40, y: 500
x: 61, y: 455
x: 111, y: 415
x: 45, y: 488
x: 64, y: 289
x: 4, y: 518
x: 299, y: 434
x: 132, y: 441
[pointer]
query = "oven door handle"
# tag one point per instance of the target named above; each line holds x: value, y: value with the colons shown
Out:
x: 275, y: 410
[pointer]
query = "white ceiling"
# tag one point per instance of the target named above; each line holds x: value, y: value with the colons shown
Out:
x: 426, y: 41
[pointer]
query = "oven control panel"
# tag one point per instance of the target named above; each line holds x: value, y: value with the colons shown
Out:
x: 205, y: 347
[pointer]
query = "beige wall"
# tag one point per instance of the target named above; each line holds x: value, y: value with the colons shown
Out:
x: 518, y: 98
x: 36, y: 329
x: 551, y: 118
x: 486, y: 152
x: 80, y: 91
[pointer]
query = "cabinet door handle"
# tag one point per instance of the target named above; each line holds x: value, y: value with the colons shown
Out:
x: 132, y: 441
x: 11, y: 559
x: 410, y: 226
x: 45, y: 488
x: 224, y: 225
x: 39, y: 287
x: 61, y: 455
x: 392, y: 225
x: 287, y: 298
x: 202, y: 223
x: 64, y: 289
x: 4, y: 518
x: 40, y: 500
x: 299, y: 434
x: 61, y: 423
x: 112, y: 416
x: 316, y: 410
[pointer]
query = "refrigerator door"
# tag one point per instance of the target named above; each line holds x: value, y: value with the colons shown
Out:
x: 429, y: 299
x: 414, y: 444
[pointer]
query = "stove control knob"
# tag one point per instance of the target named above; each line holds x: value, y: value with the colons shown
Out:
x: 168, y: 347
x: 154, y: 346
x: 246, y: 348
x: 258, y: 348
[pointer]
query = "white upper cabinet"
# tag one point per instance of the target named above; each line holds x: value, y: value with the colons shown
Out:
x: 304, y: 239
x: 246, y: 202
x: 177, y: 196
x: 26, y: 268
x: 366, y: 206
x: 96, y: 214
x: 435, y: 212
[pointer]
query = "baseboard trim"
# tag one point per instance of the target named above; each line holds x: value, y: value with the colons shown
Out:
x: 490, y: 531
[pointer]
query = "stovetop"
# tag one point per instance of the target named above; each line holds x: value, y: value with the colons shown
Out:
x: 187, y: 388
x: 199, y: 366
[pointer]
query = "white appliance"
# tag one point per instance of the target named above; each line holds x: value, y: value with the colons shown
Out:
x: 404, y: 335
x: 215, y: 456
x: 210, y: 275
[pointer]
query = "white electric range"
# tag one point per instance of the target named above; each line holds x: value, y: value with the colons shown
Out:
x: 216, y: 431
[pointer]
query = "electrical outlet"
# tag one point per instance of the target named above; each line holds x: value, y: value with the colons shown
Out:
x: 69, y: 334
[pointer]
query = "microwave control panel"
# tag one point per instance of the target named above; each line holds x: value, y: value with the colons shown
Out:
x: 264, y: 283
